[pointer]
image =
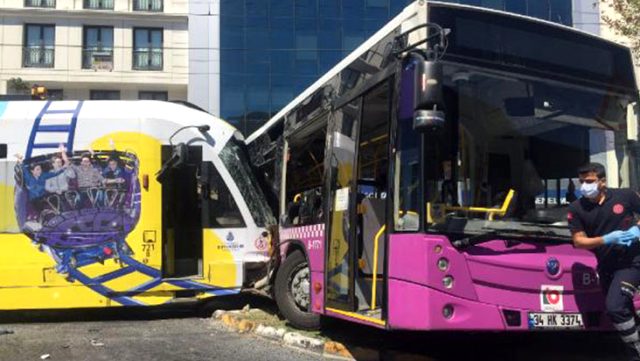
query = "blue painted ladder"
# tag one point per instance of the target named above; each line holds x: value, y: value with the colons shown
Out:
x: 63, y: 128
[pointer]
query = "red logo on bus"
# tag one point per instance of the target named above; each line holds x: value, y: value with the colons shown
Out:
x: 551, y: 297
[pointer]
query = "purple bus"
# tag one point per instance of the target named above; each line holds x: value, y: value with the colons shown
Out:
x: 408, y: 179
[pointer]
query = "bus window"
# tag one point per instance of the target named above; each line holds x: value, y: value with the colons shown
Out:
x: 516, y: 146
x: 219, y: 209
x: 3, y: 151
x: 305, y: 174
x: 406, y: 185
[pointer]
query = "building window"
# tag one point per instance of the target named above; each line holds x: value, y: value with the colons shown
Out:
x: 104, y: 95
x: 153, y: 95
x: 147, y: 49
x: 147, y: 5
x: 39, y: 46
x: 40, y: 3
x: 98, y: 4
x: 55, y: 94
x: 97, y: 47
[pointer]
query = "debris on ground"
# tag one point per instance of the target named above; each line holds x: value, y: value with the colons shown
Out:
x: 6, y: 332
x: 46, y: 356
x: 96, y: 343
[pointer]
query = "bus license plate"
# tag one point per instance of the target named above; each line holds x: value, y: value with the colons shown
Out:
x: 555, y: 320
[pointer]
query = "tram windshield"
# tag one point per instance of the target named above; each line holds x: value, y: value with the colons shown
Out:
x: 508, y: 156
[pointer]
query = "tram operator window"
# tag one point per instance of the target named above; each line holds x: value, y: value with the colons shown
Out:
x: 218, y: 206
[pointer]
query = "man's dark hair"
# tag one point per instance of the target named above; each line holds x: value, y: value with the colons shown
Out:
x: 596, y: 168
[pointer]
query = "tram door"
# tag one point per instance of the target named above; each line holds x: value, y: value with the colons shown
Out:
x: 181, y: 221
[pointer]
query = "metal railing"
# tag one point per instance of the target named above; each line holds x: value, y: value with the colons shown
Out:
x: 40, y: 3
x: 148, y: 5
x: 98, y: 4
x: 147, y: 59
x: 99, y: 59
x: 38, y: 57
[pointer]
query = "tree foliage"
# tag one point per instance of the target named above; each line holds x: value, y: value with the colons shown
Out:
x: 18, y: 85
x: 625, y: 22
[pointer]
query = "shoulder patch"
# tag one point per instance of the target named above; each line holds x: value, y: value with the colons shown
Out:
x: 618, y: 208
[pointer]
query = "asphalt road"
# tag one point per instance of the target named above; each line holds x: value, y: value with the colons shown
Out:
x: 172, y: 335
x: 185, y: 333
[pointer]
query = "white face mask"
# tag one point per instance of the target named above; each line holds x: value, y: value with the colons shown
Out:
x: 589, y: 190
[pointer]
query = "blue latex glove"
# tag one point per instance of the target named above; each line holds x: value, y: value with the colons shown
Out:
x: 629, y: 236
x: 614, y: 237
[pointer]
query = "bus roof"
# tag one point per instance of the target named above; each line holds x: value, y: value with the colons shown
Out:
x: 409, y: 12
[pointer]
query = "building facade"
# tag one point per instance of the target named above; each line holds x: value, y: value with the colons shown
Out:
x: 95, y: 49
x: 262, y: 53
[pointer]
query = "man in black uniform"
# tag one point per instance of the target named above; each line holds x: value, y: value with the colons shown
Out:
x: 603, y: 221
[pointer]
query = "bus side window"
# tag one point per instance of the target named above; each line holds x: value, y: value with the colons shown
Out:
x: 3, y: 151
x: 219, y: 209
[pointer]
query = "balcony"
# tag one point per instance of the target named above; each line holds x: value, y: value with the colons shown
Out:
x: 148, y: 5
x: 147, y: 59
x: 38, y: 57
x: 98, y: 4
x: 40, y: 3
x: 101, y: 59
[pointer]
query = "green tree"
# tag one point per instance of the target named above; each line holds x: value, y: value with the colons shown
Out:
x: 19, y: 86
x: 625, y: 22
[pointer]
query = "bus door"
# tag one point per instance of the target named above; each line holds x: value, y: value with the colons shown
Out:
x: 340, y: 256
x: 181, y: 224
x: 359, y: 168
x: 371, y: 198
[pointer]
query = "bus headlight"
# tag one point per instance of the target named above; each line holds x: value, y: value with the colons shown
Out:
x: 443, y: 264
x: 447, y: 282
x: 447, y: 311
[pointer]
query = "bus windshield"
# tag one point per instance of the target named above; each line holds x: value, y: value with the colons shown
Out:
x: 514, y: 145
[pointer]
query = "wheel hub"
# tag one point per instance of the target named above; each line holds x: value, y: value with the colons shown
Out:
x: 300, y: 285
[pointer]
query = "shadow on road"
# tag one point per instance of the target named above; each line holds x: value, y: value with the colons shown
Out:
x: 368, y: 343
x: 183, y: 309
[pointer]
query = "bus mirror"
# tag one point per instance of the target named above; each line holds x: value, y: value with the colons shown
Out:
x: 428, y: 110
x: 424, y: 120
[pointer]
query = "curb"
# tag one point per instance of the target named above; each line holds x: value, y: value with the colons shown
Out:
x: 236, y: 321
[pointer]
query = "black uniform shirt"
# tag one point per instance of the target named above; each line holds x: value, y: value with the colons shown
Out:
x: 615, y: 213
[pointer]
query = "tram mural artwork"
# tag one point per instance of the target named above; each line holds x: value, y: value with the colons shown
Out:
x: 78, y: 207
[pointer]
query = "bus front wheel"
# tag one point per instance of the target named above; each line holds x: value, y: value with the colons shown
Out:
x: 293, y: 292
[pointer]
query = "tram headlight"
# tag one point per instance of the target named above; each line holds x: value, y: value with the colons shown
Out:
x: 443, y: 264
x: 447, y: 311
x: 447, y: 281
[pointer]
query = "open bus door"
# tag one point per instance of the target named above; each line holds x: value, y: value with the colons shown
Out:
x: 359, y: 169
x: 340, y: 259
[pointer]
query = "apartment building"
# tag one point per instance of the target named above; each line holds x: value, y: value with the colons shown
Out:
x: 96, y: 49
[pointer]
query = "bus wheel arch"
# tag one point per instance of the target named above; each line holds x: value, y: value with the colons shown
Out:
x: 293, y: 292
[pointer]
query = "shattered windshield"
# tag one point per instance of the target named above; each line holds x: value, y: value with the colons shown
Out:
x: 507, y: 158
x: 235, y: 159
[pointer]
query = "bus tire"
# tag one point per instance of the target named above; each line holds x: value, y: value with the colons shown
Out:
x: 294, y: 272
